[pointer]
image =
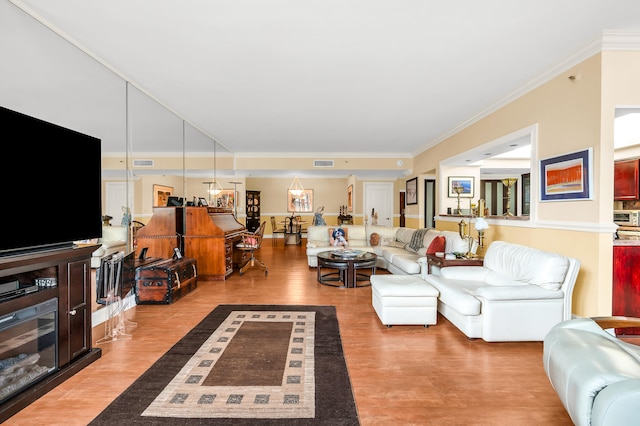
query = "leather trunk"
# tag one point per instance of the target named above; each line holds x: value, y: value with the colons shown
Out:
x: 164, y: 282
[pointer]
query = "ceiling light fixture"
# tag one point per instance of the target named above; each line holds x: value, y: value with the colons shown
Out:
x: 296, y: 187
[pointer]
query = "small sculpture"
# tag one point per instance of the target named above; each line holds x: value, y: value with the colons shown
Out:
x: 318, y: 220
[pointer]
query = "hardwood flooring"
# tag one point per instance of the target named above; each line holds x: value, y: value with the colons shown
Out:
x: 409, y: 375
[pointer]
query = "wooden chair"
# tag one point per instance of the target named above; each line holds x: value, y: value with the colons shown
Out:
x: 275, y: 231
x: 250, y: 243
x: 299, y: 219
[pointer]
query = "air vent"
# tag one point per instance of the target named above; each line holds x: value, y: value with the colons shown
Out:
x: 143, y: 163
x: 322, y: 163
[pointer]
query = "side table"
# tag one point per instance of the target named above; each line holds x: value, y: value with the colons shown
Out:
x: 441, y: 262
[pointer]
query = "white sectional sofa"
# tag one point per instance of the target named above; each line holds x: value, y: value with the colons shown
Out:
x: 393, y: 251
x: 518, y: 295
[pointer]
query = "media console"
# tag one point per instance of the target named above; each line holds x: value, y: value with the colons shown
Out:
x: 45, y: 330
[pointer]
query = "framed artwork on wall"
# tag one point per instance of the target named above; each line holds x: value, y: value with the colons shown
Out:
x: 567, y: 177
x: 161, y: 194
x: 350, y: 198
x: 463, y: 185
x: 226, y: 199
x: 300, y: 203
x: 412, y: 191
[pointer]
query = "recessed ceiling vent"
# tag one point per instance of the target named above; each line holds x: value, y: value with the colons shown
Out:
x: 322, y: 163
x: 143, y: 163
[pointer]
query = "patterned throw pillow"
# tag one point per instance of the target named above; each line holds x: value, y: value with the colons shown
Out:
x: 437, y: 245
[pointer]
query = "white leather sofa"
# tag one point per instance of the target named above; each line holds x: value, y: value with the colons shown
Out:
x: 396, y: 255
x: 318, y: 240
x: 113, y: 240
x: 393, y: 250
x: 518, y: 295
x: 595, y: 374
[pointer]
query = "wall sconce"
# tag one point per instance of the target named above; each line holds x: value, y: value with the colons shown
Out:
x: 296, y: 187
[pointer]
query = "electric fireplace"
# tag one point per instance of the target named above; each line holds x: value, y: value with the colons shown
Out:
x: 28, y: 347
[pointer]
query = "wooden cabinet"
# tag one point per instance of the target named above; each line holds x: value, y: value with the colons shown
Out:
x: 626, y: 284
x: 626, y: 180
x: 253, y: 210
x: 67, y: 274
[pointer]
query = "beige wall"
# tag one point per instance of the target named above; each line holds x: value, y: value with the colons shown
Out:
x: 570, y: 115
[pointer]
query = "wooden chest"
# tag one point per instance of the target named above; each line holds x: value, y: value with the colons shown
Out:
x: 165, y: 281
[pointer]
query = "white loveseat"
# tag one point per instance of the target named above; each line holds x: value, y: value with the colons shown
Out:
x: 518, y: 295
x: 113, y: 240
x: 596, y: 375
x: 393, y: 251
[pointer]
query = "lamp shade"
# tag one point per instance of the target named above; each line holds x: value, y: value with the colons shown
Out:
x: 481, y: 224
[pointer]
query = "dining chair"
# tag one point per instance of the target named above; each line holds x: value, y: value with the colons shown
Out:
x: 250, y: 243
x: 275, y: 231
x: 292, y: 231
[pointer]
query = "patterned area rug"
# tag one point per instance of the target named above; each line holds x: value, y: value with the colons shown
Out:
x: 246, y: 365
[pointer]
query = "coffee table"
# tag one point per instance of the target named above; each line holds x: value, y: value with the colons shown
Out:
x: 347, y: 266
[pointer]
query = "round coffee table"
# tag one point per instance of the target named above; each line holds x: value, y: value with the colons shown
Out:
x: 347, y: 266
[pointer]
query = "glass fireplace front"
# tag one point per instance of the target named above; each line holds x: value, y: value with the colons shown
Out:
x: 28, y: 347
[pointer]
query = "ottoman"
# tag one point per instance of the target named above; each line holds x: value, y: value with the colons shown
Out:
x: 404, y: 300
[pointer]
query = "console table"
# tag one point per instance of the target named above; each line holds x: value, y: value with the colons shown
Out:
x: 441, y: 262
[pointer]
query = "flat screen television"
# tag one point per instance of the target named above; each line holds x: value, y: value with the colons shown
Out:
x: 51, y: 184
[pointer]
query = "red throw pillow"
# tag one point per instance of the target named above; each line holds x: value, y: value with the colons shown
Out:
x: 436, y: 245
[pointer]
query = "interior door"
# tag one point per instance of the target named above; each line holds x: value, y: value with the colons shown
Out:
x: 378, y: 196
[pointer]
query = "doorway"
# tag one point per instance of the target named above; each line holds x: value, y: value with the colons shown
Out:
x: 429, y: 203
x: 378, y: 197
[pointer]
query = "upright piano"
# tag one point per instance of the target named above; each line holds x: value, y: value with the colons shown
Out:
x: 207, y: 234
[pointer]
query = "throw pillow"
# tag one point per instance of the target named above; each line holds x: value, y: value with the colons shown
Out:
x: 438, y: 244
x: 346, y: 232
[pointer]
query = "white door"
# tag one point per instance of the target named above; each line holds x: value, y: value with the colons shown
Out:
x: 379, y: 196
x: 115, y: 200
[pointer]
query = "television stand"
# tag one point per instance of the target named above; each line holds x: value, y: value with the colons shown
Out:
x: 69, y: 268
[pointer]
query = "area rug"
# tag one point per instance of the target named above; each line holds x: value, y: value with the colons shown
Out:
x: 246, y: 365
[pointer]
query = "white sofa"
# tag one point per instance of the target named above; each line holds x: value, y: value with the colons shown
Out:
x: 393, y: 251
x: 113, y: 240
x: 595, y: 374
x: 518, y: 295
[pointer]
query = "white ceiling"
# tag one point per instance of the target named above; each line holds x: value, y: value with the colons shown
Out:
x: 342, y: 76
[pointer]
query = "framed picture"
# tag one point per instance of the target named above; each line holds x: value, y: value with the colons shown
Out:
x: 202, y: 202
x: 567, y: 177
x: 350, y: 198
x: 161, y: 194
x: 462, y: 184
x: 300, y: 203
x: 412, y: 191
x: 226, y: 199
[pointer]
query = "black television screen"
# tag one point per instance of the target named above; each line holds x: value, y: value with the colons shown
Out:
x: 51, y: 184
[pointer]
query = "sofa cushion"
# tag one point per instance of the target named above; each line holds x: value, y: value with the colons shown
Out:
x: 458, y: 294
x: 533, y: 266
x: 346, y: 232
x: 408, y: 263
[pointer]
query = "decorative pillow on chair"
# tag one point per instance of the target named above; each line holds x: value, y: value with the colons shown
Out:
x: 437, y: 245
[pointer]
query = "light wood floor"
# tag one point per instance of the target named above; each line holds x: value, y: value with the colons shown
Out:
x: 400, y: 375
